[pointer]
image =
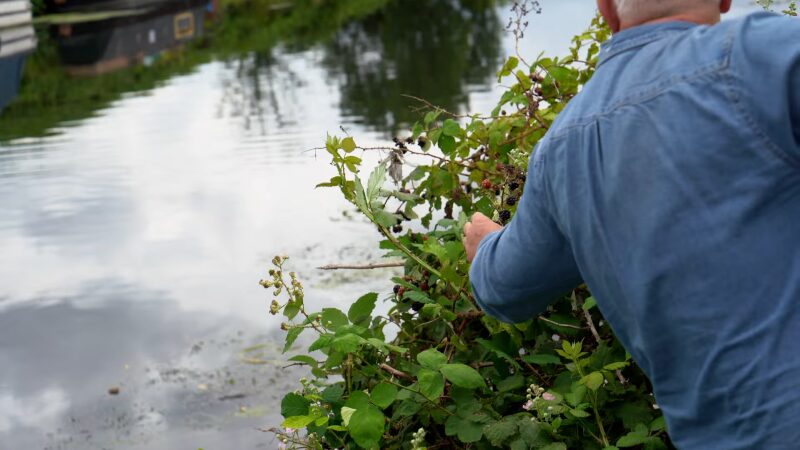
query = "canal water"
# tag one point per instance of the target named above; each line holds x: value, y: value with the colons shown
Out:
x: 144, y: 191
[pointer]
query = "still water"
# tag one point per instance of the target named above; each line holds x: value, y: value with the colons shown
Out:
x: 143, y: 197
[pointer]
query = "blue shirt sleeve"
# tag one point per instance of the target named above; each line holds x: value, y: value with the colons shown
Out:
x: 519, y: 270
x: 765, y: 59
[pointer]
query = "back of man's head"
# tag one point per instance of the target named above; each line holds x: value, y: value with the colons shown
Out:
x: 640, y: 11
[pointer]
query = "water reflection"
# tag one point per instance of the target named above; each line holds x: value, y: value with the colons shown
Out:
x: 103, y: 46
x: 439, y: 50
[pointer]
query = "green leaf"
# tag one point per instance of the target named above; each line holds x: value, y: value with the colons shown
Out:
x: 322, y: 342
x: 292, y: 336
x: 541, y: 359
x: 333, y: 318
x: 298, y: 421
x: 579, y: 413
x: 589, y: 303
x: 360, y: 198
x: 348, y: 343
x: 347, y: 414
x: 376, y: 180
x: 450, y: 128
x: 447, y: 144
x: 430, y: 117
x: 304, y: 359
x: 593, y: 381
x: 511, y: 383
x: 348, y: 144
x: 616, y: 366
x: 463, y: 376
x: 431, y: 384
x: 555, y: 446
x: 418, y: 296
x: 498, y: 432
x: 333, y: 393
x: 631, y: 439
x: 362, y: 308
x: 294, y: 405
x: 466, y: 430
x: 432, y: 359
x: 407, y: 408
x: 658, y: 424
x: 383, y: 395
x: 366, y: 426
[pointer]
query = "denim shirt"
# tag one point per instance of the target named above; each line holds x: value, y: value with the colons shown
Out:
x: 671, y: 186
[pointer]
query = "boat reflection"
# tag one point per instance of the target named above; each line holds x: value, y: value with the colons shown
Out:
x: 102, y: 46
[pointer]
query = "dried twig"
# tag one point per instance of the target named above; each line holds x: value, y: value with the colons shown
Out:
x: 565, y: 325
x: 395, y: 372
x: 361, y: 266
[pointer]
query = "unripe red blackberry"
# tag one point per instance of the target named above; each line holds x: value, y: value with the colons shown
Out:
x: 505, y: 216
x: 487, y: 184
x: 401, y: 291
x: 511, y: 201
x: 424, y: 286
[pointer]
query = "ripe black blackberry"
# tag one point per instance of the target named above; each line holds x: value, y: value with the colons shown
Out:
x: 409, y: 140
x: 513, y: 185
x: 505, y: 216
x: 421, y: 142
x: 416, y: 306
x: 397, y: 228
x: 511, y: 201
x: 396, y: 288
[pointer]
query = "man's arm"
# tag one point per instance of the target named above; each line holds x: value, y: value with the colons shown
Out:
x: 519, y: 269
x: 766, y: 64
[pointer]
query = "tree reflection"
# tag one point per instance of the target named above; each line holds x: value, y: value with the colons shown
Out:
x: 437, y: 50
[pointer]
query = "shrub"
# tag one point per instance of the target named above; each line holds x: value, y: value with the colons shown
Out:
x: 435, y: 372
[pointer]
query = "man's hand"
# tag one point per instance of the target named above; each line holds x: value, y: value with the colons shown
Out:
x: 475, y: 230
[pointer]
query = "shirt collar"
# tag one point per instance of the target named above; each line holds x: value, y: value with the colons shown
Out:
x: 638, y: 36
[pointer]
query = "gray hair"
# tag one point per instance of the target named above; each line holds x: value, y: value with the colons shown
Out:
x: 637, y: 10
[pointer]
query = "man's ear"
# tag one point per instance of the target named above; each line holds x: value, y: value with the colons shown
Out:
x: 725, y: 6
x: 609, y: 12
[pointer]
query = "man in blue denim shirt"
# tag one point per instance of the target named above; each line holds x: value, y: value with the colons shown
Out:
x: 671, y: 186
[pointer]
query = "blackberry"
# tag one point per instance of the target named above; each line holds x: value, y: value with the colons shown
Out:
x: 416, y: 306
x: 409, y: 140
x: 505, y: 216
x: 511, y: 201
x: 397, y: 228
x: 395, y: 140
x: 522, y: 177
x: 468, y: 188
x: 421, y: 142
x: 513, y: 185
x: 401, y: 291
x: 396, y: 289
x: 424, y: 286
x: 487, y: 184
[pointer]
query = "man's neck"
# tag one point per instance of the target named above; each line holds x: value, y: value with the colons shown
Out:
x: 698, y: 18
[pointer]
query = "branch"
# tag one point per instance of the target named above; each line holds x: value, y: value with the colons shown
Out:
x: 565, y: 325
x: 396, y: 372
x: 361, y: 267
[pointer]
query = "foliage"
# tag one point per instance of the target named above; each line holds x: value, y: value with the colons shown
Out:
x: 435, y: 371
x: 791, y: 7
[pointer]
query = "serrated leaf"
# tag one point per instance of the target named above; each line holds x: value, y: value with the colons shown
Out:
x: 294, y: 405
x: 333, y: 394
x: 555, y: 446
x: 407, y: 408
x: 347, y: 414
x: 462, y: 375
x: 593, y: 380
x: 466, y: 430
x: 432, y: 359
x: 631, y: 439
x: 498, y: 432
x: 418, y: 296
x: 447, y: 144
x: 579, y: 413
x: 376, y: 180
x: 304, y: 359
x: 431, y: 384
x: 658, y: 424
x: 333, y: 318
x: 451, y: 128
x: 347, y: 343
x: 362, y: 308
x: 616, y: 366
x: 383, y: 395
x: 292, y: 336
x: 589, y: 303
x: 298, y: 421
x: 366, y: 426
